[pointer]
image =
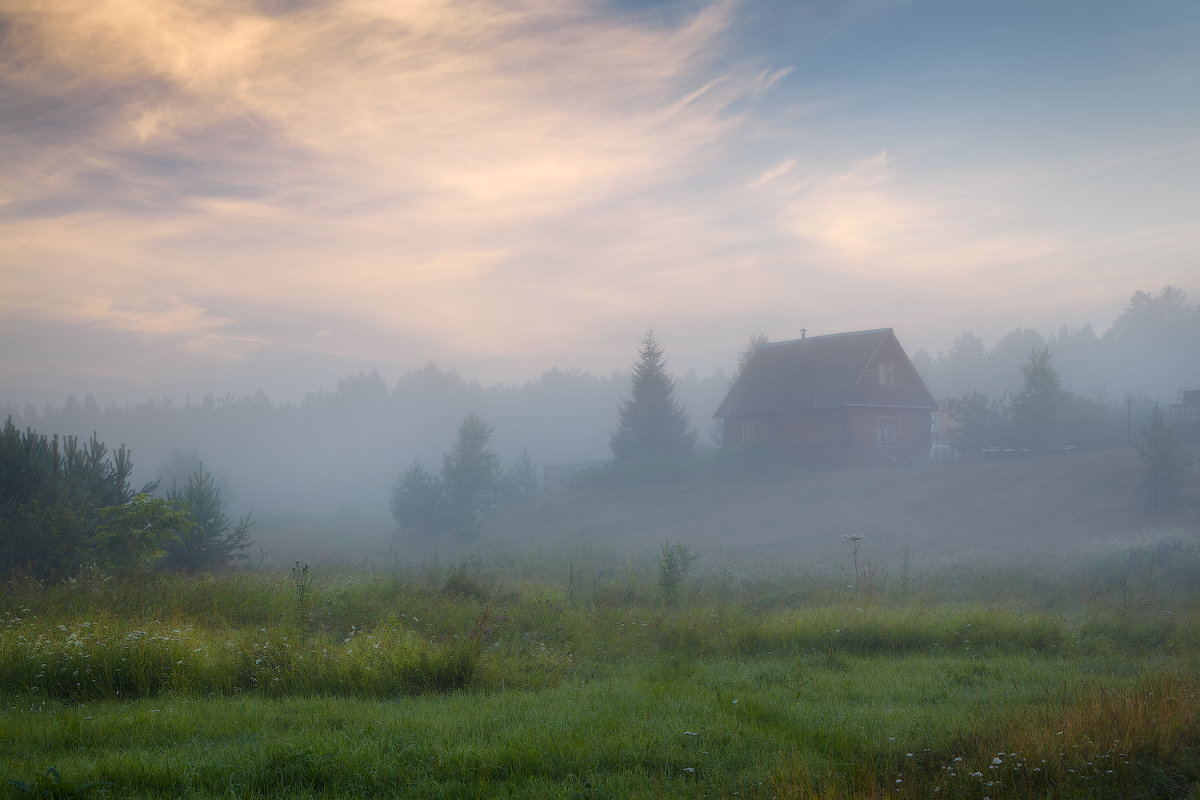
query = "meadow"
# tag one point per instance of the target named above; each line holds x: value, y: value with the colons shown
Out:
x: 574, y: 674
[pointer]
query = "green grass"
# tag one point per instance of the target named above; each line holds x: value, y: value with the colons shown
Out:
x: 483, y: 681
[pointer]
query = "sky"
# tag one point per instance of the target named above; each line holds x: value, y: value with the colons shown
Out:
x: 230, y: 195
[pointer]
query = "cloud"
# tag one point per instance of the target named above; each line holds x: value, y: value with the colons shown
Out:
x: 473, y: 181
x: 361, y: 159
x: 874, y: 219
x: 777, y: 171
x: 507, y: 109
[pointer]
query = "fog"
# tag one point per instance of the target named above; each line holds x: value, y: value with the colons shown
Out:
x: 329, y: 461
x: 343, y: 449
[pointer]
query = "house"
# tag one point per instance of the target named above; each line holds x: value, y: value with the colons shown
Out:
x: 835, y: 400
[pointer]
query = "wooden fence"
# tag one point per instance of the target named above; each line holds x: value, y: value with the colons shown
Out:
x: 1121, y: 428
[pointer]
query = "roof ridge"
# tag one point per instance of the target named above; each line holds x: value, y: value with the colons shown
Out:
x: 829, y: 336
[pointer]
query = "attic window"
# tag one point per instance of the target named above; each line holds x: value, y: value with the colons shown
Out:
x: 747, y: 432
x: 887, y: 373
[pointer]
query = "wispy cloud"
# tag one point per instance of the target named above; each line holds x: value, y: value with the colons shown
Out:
x: 476, y: 179
x: 373, y: 159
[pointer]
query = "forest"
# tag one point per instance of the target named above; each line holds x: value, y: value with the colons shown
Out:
x: 337, y: 455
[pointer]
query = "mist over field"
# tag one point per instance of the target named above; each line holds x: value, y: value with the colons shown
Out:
x: 317, y: 474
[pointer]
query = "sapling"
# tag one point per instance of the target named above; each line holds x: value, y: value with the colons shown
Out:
x: 673, y: 568
x: 302, y: 583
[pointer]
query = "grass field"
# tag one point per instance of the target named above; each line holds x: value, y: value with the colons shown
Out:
x: 571, y: 676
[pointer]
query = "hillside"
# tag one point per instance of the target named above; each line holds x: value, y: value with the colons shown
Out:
x: 1034, y: 509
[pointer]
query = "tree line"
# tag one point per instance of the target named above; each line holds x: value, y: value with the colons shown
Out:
x: 287, y: 456
x: 653, y: 429
x: 1148, y: 351
x: 63, y: 504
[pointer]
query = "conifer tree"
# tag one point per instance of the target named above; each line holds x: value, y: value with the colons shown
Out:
x: 418, y: 503
x: 215, y: 541
x: 521, y: 482
x: 651, y: 424
x: 1165, y: 467
x: 52, y: 493
x: 1037, y: 407
x: 756, y: 341
x: 471, y: 477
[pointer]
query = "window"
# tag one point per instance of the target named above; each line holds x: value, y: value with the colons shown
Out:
x: 747, y: 432
x: 887, y: 373
x: 887, y: 431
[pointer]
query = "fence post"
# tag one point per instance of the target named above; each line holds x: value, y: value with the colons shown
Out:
x: 1129, y: 418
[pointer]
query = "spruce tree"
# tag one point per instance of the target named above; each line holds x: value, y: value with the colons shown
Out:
x: 521, y: 481
x: 418, y: 502
x: 756, y: 341
x: 471, y: 478
x: 1037, y: 407
x: 215, y: 542
x: 1165, y: 467
x: 651, y: 425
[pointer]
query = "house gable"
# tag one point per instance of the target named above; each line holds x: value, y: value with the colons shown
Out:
x: 891, y: 380
x: 841, y: 397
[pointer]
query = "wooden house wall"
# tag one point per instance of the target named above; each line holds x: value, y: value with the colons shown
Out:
x: 912, y: 436
x: 839, y: 436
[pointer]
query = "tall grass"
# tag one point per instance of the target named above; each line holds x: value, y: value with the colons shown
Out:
x: 485, y: 679
x: 384, y: 634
